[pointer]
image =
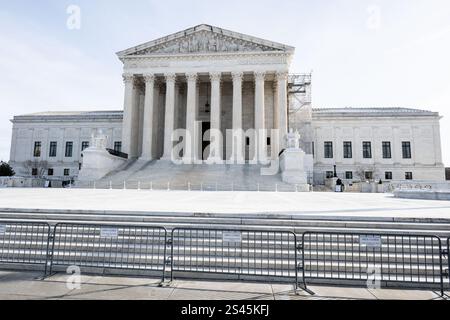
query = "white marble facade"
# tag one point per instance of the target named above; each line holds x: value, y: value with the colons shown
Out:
x: 169, y: 81
x: 207, y: 77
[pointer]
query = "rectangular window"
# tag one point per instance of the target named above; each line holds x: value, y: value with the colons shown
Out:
x: 388, y: 175
x: 408, y: 175
x: 66, y: 172
x: 387, y: 154
x: 313, y: 149
x: 37, y: 149
x: 329, y: 174
x: 368, y: 175
x: 348, y: 150
x: 328, y: 152
x: 406, y: 149
x: 34, y: 172
x: 349, y: 175
x: 84, y: 145
x: 53, y: 147
x: 367, y: 150
x: 50, y: 172
x: 268, y: 141
x: 69, y: 149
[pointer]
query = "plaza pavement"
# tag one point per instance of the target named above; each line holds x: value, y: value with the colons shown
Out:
x: 315, y: 203
x: 28, y: 286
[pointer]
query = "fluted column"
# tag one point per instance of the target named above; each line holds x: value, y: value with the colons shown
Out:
x: 192, y: 139
x: 147, y: 135
x: 276, y: 122
x: 128, y: 106
x: 282, y: 107
x: 216, y: 112
x: 260, y: 116
x: 169, y: 122
x: 238, y: 137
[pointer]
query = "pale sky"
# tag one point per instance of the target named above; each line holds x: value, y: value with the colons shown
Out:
x: 379, y: 53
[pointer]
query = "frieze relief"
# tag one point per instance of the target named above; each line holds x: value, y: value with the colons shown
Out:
x: 206, y: 42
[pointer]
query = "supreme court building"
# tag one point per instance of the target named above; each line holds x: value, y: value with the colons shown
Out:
x: 235, y: 99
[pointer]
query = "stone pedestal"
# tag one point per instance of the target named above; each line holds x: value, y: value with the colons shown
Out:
x: 293, y: 168
x: 97, y: 161
x: 293, y: 163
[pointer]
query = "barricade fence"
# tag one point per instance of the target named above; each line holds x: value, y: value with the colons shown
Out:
x: 377, y: 259
x: 240, y: 253
x: 24, y: 243
x: 134, y: 248
x: 447, y: 255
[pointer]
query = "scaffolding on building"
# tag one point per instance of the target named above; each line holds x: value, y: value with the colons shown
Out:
x: 299, y: 89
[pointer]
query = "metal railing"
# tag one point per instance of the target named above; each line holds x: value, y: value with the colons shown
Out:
x: 109, y: 247
x: 383, y: 258
x: 447, y: 254
x: 189, y: 186
x: 24, y: 243
x: 235, y: 254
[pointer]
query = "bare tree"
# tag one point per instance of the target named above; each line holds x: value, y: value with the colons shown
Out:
x: 360, y: 173
x: 40, y: 166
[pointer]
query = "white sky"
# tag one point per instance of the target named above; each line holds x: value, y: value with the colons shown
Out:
x: 375, y: 53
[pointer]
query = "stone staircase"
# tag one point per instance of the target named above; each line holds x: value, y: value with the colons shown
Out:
x: 163, y: 175
x: 297, y: 223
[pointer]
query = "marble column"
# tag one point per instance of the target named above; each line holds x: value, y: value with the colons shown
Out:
x: 127, y: 128
x: 192, y: 139
x: 282, y: 107
x: 238, y: 136
x: 216, y: 114
x: 169, y: 122
x: 261, y: 135
x: 276, y: 122
x: 147, y: 135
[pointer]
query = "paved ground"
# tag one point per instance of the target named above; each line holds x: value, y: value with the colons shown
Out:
x: 27, y: 286
x: 332, y: 204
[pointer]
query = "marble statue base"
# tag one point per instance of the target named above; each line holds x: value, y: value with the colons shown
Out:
x: 97, y: 163
x: 292, y: 164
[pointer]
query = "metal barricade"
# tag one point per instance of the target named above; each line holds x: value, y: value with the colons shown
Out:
x: 138, y: 249
x: 447, y: 253
x: 24, y: 243
x: 378, y: 259
x: 234, y: 254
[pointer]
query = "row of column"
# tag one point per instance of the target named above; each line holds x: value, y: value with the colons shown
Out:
x: 131, y: 115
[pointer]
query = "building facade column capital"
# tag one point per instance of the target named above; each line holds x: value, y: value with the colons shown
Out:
x: 192, y: 77
x: 260, y: 76
x: 170, y: 77
x: 237, y: 76
x: 282, y: 75
x: 149, y: 78
x: 128, y: 78
x: 215, y: 76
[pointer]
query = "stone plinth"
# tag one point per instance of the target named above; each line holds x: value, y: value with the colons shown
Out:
x: 293, y: 168
x: 97, y: 163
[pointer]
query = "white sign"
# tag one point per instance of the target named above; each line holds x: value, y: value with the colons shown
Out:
x: 2, y: 229
x: 109, y: 232
x: 232, y: 237
x: 370, y: 241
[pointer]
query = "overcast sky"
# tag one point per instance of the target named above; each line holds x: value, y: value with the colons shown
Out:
x: 393, y: 53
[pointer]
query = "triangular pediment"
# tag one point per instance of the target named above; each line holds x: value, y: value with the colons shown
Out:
x: 205, y: 39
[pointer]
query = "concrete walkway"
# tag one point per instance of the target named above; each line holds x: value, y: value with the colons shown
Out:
x: 28, y: 286
x: 323, y: 204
